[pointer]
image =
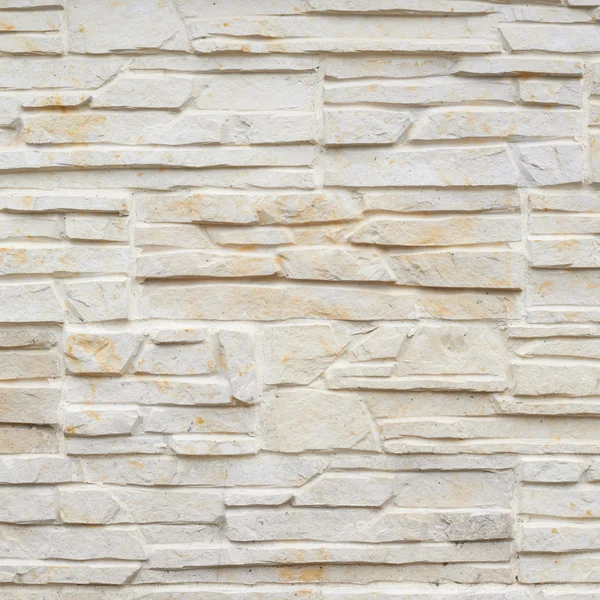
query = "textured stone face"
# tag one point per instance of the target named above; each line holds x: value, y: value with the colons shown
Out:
x: 299, y: 299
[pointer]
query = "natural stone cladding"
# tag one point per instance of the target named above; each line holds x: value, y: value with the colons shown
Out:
x: 299, y: 299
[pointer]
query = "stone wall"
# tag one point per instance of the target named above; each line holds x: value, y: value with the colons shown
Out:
x: 299, y: 300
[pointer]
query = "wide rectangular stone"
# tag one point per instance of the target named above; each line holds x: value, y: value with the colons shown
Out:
x: 551, y: 163
x: 552, y: 470
x: 325, y: 553
x: 251, y: 209
x: 562, y: 569
x: 366, y: 525
x: 366, y: 126
x: 94, y: 421
x: 564, y: 224
x: 559, y: 537
x: 97, y: 227
x: 195, y: 158
x: 517, y: 65
x: 349, y: 67
x: 539, y: 379
x: 20, y: 439
x: 437, y: 231
x: 29, y: 364
x: 331, y: 28
x: 176, y: 359
x: 334, y: 265
x: 506, y: 427
x: 29, y: 303
x: 106, y: 353
x: 148, y: 127
x: 564, y: 93
x: 42, y: 21
x: 205, y: 264
x: 554, y: 287
x: 329, y: 422
x: 158, y: 27
x: 255, y: 91
x: 270, y: 303
x: 435, y: 7
x: 490, y: 165
x: 458, y: 269
x: 420, y: 93
x: 570, y: 253
x: 70, y: 259
x: 38, y: 469
x: 71, y: 543
x: 37, y: 405
x: 552, y: 38
x: 92, y: 301
x: 199, y: 420
x: 145, y: 392
x: 434, y: 200
x: 70, y: 72
x: 64, y: 201
x: 560, y: 501
x: 459, y: 489
x: 94, y: 505
x: 497, y: 123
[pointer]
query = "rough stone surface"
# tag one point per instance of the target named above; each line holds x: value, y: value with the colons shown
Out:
x: 299, y: 299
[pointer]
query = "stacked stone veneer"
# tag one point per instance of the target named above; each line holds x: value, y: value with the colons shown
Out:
x: 299, y: 300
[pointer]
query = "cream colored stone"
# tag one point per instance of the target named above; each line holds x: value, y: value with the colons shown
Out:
x: 356, y: 525
x: 194, y: 445
x: 551, y: 164
x: 103, y: 26
x: 297, y: 421
x: 298, y: 354
x: 351, y: 126
x: 204, y: 264
x: 575, y: 287
x: 145, y: 391
x: 334, y: 265
x: 106, y: 229
x: 92, y: 301
x: 66, y: 259
x: 516, y: 65
x: 99, y: 352
x: 178, y: 236
x: 564, y: 253
x: 551, y: 38
x: 300, y: 299
x: 149, y: 157
x: 29, y: 303
x: 270, y: 303
x: 417, y: 93
x: 30, y: 364
x: 497, y: 123
x: 73, y: 72
x: 568, y: 93
x: 538, y: 379
x: 247, y: 209
x: 425, y: 200
x: 48, y: 45
x: 199, y: 420
x: 458, y: 269
x: 143, y: 92
x: 441, y: 231
x: 176, y: 359
x: 38, y: 405
x: 92, y: 421
x: 255, y: 91
x: 95, y: 505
